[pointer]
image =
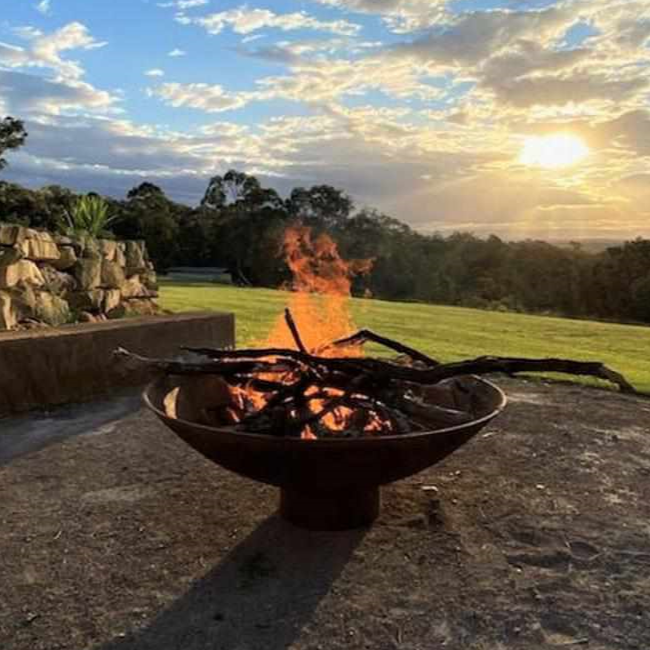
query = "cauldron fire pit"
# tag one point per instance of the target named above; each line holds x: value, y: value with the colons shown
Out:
x: 326, y: 484
x: 314, y: 415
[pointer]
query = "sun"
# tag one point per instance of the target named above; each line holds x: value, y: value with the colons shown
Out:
x: 553, y: 151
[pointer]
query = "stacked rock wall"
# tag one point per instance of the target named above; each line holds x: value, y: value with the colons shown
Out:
x: 48, y: 279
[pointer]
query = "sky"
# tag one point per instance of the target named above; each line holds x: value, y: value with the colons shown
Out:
x: 418, y: 108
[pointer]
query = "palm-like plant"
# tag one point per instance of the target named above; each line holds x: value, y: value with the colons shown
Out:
x: 89, y: 214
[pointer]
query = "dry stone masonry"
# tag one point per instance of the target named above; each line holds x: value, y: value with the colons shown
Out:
x: 48, y: 279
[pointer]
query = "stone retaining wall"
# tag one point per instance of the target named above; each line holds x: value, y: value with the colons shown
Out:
x: 48, y: 279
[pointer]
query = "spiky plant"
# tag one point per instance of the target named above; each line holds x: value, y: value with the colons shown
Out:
x: 89, y: 215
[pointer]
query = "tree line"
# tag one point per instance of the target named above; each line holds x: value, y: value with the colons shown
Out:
x: 240, y: 224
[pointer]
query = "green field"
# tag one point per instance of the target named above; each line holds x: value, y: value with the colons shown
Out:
x: 446, y: 333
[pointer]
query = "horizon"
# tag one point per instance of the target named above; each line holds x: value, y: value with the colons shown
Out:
x: 527, y: 119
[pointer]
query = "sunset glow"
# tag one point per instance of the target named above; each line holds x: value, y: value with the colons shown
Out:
x: 553, y: 151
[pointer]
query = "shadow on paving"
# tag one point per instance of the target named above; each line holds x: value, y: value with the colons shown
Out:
x: 261, y: 595
x: 24, y: 434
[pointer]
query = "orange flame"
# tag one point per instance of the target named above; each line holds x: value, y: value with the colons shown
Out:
x: 321, y: 286
x: 319, y: 298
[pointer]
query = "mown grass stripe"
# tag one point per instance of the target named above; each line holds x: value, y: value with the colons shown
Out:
x: 446, y: 333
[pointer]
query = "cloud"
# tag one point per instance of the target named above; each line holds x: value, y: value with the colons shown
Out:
x: 119, y: 146
x: 27, y: 32
x: 111, y: 156
x: 476, y: 37
x: 400, y: 16
x: 182, y: 5
x: 155, y: 72
x: 579, y: 87
x: 190, y: 4
x: 245, y: 21
x: 299, y: 52
x: 629, y: 131
x: 43, y: 7
x: 319, y: 82
x: 45, y: 51
x: 26, y: 94
x: 512, y: 204
x: 205, y: 97
x: 176, y: 52
x: 322, y: 80
x: 252, y: 37
x: 636, y: 186
x: 526, y: 57
x: 621, y: 24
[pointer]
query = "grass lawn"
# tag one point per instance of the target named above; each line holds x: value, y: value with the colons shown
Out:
x: 445, y: 333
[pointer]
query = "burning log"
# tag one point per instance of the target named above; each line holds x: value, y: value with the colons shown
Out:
x: 294, y: 330
x: 297, y: 393
x: 365, y: 336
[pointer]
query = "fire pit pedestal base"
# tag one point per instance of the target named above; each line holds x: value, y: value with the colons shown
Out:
x: 330, y: 510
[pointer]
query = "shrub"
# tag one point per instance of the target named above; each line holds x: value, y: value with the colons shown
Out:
x: 89, y: 215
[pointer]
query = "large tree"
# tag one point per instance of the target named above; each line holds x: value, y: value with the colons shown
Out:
x: 240, y: 192
x: 320, y: 205
x: 12, y: 136
x: 149, y: 214
x: 246, y: 219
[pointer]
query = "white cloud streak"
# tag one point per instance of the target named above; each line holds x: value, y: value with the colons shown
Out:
x: 245, y: 21
x: 45, y: 51
x: 44, y: 7
x: 182, y: 5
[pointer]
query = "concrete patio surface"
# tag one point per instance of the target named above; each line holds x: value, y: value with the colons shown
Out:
x: 117, y: 536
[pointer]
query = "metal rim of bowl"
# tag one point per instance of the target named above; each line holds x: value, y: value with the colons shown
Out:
x: 365, y: 440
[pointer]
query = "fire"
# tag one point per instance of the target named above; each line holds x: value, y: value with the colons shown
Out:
x: 319, y: 296
x: 246, y: 399
x: 320, y: 292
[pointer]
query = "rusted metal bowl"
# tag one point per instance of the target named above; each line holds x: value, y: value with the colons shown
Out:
x: 327, y: 484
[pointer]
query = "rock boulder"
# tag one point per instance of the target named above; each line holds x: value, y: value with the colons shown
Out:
x: 67, y: 258
x: 39, y: 246
x: 89, y: 300
x: 10, y: 255
x: 108, y: 249
x: 12, y: 234
x: 88, y: 271
x: 135, y: 261
x: 112, y: 275
x: 133, y: 288
x: 49, y: 279
x: 21, y: 271
x: 8, y: 315
x: 57, y: 282
x: 51, y: 309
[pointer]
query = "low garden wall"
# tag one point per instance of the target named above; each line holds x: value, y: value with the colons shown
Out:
x: 45, y: 367
x: 50, y: 279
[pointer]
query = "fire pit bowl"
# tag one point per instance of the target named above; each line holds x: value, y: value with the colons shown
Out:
x: 327, y: 484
